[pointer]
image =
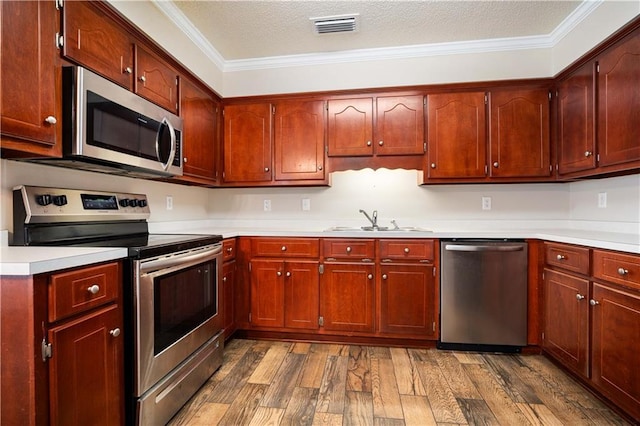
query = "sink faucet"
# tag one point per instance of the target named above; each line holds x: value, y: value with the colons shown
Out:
x: 374, y: 221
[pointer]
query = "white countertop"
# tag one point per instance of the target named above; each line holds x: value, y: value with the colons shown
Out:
x: 36, y: 260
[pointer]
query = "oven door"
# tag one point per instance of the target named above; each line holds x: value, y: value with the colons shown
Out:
x: 177, y: 310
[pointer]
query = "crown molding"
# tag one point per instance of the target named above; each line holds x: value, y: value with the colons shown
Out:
x: 361, y: 55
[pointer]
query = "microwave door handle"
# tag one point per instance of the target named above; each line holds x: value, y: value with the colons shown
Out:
x: 172, y: 134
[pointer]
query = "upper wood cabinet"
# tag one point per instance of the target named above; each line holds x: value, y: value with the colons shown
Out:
x: 299, y: 140
x: 200, y: 113
x: 93, y: 39
x: 456, y: 129
x: 619, y: 103
x: 156, y: 80
x: 519, y: 133
x: 396, y: 129
x: 275, y: 144
x: 576, y: 126
x: 247, y: 143
x: 30, y: 101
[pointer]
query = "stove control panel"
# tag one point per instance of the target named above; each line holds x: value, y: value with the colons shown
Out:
x: 37, y: 204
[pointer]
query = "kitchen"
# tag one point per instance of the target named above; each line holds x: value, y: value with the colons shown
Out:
x: 395, y: 194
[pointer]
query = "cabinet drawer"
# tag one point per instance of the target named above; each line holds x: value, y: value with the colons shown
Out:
x: 617, y: 267
x: 571, y: 258
x: 285, y: 247
x: 228, y: 249
x: 82, y: 289
x: 407, y: 249
x: 340, y: 248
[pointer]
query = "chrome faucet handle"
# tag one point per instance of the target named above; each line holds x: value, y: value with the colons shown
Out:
x: 375, y: 218
x: 395, y: 225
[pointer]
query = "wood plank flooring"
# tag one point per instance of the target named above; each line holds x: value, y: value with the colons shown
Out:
x: 283, y: 383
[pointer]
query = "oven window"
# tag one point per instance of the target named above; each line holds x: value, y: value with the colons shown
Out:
x: 182, y: 301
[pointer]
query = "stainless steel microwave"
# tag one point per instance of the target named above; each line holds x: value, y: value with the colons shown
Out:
x: 107, y: 128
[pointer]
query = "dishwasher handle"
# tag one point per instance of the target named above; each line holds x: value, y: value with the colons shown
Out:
x: 465, y: 247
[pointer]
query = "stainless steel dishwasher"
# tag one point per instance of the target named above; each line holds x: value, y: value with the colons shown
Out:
x: 483, y: 295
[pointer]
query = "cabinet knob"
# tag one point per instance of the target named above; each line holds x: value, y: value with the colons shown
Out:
x: 561, y: 257
x: 622, y: 272
x: 381, y: 143
x: 279, y: 273
x: 406, y: 249
x: 283, y: 248
x: 370, y: 276
x: 588, y: 153
x: 94, y: 289
x: 495, y: 164
x: 433, y: 165
x: 224, y: 279
x: 266, y: 169
x: 50, y: 120
x: 229, y: 250
x: 579, y: 296
x: 115, y: 332
x: 184, y: 160
x: 288, y: 274
x: 368, y: 143
x: 384, y: 276
x: 348, y: 249
x: 593, y: 302
x: 143, y: 78
x: 320, y: 167
x: 128, y: 70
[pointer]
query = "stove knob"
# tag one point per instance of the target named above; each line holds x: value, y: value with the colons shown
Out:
x: 59, y: 200
x: 142, y: 203
x: 133, y: 202
x: 43, y: 200
x: 124, y: 202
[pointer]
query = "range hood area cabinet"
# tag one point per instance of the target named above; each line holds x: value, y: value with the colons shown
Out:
x: 602, y: 95
x: 515, y: 121
x: 272, y: 144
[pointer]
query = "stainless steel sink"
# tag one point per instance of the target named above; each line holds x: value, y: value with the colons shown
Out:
x: 379, y: 229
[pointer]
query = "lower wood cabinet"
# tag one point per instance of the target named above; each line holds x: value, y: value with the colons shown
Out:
x: 228, y: 297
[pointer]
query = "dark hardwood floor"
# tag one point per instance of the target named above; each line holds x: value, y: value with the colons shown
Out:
x: 282, y: 383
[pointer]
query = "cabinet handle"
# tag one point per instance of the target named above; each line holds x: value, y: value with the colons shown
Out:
x: 115, y: 332
x: 51, y: 120
x: 279, y: 273
x: 433, y: 165
x: 368, y: 143
x: 184, y: 160
x: 128, y: 70
x: 384, y: 276
x: 381, y: 143
x: 348, y: 249
x: 495, y: 164
x: 266, y: 169
x: 320, y: 167
x: 283, y: 248
x: 622, y: 272
x: 579, y: 296
x: 588, y: 153
x: 143, y: 78
x: 94, y: 289
x: 406, y: 249
x: 561, y: 257
x: 224, y: 279
x: 593, y: 302
x: 370, y: 276
x: 288, y: 274
x: 229, y: 250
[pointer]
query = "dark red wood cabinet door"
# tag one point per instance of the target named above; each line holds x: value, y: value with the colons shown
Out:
x: 456, y: 129
x: 302, y: 294
x: 519, y: 133
x: 156, y: 80
x: 619, y: 103
x: 350, y: 127
x: 87, y: 370
x: 267, y: 293
x: 93, y: 39
x: 616, y: 345
x: 228, y: 300
x: 299, y: 140
x: 31, y: 80
x: 566, y: 320
x: 576, y: 130
x: 399, y: 126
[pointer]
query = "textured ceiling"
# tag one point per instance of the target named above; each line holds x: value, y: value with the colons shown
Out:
x: 244, y: 30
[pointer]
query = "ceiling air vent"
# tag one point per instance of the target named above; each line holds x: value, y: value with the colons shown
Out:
x: 335, y: 24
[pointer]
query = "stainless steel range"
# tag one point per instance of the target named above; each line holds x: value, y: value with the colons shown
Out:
x: 173, y: 326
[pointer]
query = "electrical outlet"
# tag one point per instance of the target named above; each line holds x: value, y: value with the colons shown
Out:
x: 306, y: 204
x: 602, y: 200
x: 486, y: 203
x: 267, y: 205
x: 169, y: 202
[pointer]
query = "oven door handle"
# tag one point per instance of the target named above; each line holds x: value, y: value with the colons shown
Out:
x: 183, y: 260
